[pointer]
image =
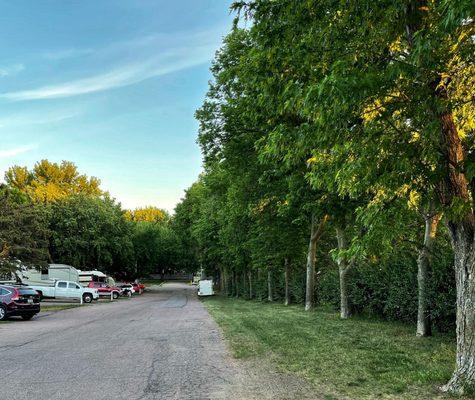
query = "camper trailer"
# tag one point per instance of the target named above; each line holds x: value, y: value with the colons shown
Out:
x: 85, y: 277
x: 55, y: 272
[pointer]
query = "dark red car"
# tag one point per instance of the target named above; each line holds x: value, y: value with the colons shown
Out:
x: 138, y: 287
x: 105, y: 289
x: 19, y: 301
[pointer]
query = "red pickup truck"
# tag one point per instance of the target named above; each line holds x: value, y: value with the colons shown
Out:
x: 105, y: 290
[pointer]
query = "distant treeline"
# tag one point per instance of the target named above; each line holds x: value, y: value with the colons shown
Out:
x: 53, y: 213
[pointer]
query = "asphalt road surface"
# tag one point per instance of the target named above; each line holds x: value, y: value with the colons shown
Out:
x: 162, y: 345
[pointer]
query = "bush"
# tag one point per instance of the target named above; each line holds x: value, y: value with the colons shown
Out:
x: 389, y: 289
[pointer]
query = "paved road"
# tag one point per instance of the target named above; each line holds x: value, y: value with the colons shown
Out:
x: 162, y: 345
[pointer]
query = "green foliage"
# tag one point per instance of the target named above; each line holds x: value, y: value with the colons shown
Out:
x: 388, y: 288
x: 48, y: 181
x: 156, y: 247
x: 92, y: 233
x: 24, y: 232
x: 335, y: 108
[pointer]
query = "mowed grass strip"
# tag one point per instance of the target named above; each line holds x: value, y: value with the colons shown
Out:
x: 357, y: 358
x: 59, y: 307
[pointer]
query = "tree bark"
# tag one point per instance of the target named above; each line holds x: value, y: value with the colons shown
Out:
x: 343, y: 268
x: 259, y: 283
x: 221, y: 280
x: 424, y: 327
x: 455, y: 187
x: 270, y: 296
x: 226, y: 281
x: 250, y: 284
x: 286, y: 278
x: 236, y: 286
x: 315, y: 234
x: 464, y: 374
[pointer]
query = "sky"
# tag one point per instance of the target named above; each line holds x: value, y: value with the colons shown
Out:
x: 111, y: 85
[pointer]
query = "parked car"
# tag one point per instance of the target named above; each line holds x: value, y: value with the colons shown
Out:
x: 20, y: 301
x: 127, y: 288
x: 139, y: 287
x: 68, y: 290
x: 105, y: 290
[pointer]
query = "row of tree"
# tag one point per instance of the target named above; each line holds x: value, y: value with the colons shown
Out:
x: 341, y: 131
x: 53, y: 213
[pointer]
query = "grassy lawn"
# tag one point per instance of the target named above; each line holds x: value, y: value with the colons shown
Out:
x: 151, y: 282
x: 358, y: 358
x: 59, y: 307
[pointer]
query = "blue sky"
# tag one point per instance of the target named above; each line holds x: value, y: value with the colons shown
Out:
x: 111, y: 85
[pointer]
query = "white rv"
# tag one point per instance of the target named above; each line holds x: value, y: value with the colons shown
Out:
x: 55, y: 272
x: 94, y: 276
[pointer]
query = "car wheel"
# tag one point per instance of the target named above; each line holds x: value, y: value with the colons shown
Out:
x: 87, y: 298
x: 3, y: 313
x: 115, y: 295
x: 27, y: 317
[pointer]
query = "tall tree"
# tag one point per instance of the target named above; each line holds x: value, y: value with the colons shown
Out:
x: 147, y: 214
x: 23, y: 232
x: 49, y: 181
x: 92, y: 233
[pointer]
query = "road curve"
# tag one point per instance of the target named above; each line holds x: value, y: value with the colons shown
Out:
x: 162, y: 345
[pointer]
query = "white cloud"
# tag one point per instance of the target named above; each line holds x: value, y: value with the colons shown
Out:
x: 17, y: 150
x: 67, y: 53
x: 37, y: 118
x: 172, y: 61
x: 11, y: 70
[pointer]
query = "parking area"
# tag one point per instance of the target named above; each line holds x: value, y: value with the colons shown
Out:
x: 161, y: 345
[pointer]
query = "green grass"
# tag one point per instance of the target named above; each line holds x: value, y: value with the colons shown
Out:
x: 59, y: 307
x: 357, y: 358
x: 149, y: 282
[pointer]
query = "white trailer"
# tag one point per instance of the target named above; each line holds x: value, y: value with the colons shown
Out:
x: 85, y: 277
x: 205, y: 288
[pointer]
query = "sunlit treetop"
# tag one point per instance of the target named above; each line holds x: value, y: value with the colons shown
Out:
x: 49, y: 181
x: 147, y: 214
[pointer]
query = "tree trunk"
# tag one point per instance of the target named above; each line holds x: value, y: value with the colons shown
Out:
x: 455, y: 187
x: 244, y: 283
x: 315, y: 234
x: 270, y: 296
x: 423, y: 272
x: 463, y: 242
x: 221, y: 280
x: 236, y: 286
x: 286, y: 277
x: 259, y: 285
x: 226, y: 281
x: 250, y: 284
x: 343, y: 268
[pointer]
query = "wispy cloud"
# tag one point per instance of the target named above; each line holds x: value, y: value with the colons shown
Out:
x: 177, y: 51
x: 11, y: 70
x: 171, y: 61
x: 17, y: 150
x: 67, y: 53
x: 36, y: 118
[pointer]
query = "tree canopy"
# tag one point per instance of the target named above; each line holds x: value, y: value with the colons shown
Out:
x: 339, y: 134
x: 49, y: 181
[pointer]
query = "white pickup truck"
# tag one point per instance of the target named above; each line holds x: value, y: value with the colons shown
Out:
x: 66, y: 290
